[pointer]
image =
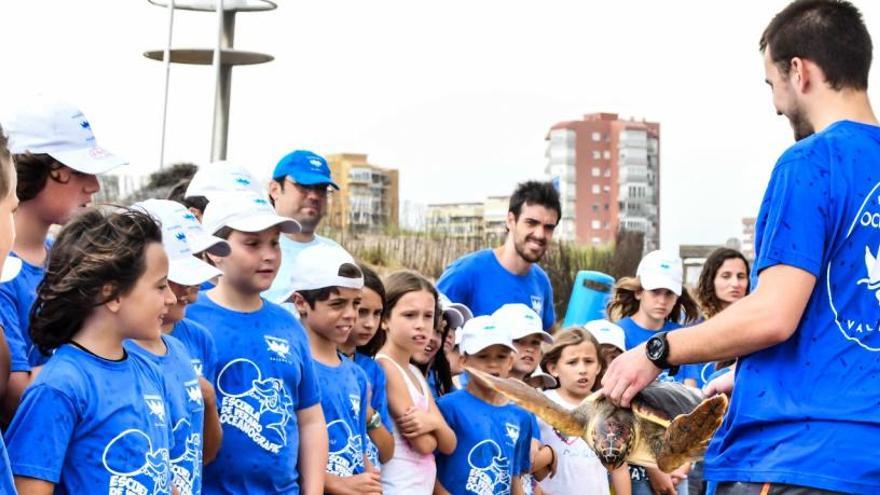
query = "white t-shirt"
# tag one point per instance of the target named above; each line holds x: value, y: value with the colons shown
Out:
x: 579, y: 470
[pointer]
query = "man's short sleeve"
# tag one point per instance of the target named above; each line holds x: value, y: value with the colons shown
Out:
x: 794, y: 218
x: 455, y: 283
x: 549, y: 316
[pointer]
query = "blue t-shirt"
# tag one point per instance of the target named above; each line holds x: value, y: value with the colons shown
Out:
x: 494, y: 444
x: 7, y: 485
x: 200, y: 345
x: 478, y: 281
x: 799, y: 407
x: 343, y: 389
x: 635, y: 334
x: 378, y: 399
x: 264, y: 376
x: 187, y: 408
x: 17, y: 296
x: 281, y: 287
x: 93, y: 425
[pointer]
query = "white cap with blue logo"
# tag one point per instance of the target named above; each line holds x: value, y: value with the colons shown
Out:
x: 607, y: 333
x: 245, y: 211
x: 222, y: 177
x: 183, y: 267
x: 481, y: 332
x: 521, y: 321
x: 661, y: 270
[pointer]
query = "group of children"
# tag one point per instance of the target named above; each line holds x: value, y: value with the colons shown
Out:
x: 146, y: 359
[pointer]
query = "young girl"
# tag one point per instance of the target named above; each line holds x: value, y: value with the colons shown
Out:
x: 274, y: 434
x: 575, y: 363
x: 362, y: 345
x: 654, y: 301
x: 95, y: 418
x: 419, y: 427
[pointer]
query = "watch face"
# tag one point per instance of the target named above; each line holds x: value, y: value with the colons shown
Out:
x: 654, y: 348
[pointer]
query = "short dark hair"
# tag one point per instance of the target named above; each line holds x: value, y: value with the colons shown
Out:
x: 830, y: 33
x: 33, y: 171
x: 93, y: 250
x: 535, y: 193
x: 347, y: 270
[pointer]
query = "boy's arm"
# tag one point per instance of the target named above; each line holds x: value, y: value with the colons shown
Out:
x: 446, y: 440
x: 213, y: 434
x: 382, y: 438
x: 313, y: 444
x: 439, y: 489
x: 31, y: 486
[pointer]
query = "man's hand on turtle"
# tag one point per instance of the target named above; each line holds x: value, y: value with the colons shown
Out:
x: 627, y: 375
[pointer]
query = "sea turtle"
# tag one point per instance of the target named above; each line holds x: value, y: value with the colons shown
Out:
x: 668, y: 425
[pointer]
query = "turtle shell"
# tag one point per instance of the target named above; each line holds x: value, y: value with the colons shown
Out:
x: 661, y: 402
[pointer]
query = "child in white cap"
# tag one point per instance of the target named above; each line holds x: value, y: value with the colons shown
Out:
x: 267, y: 390
x: 184, y: 363
x: 57, y: 160
x: 494, y: 436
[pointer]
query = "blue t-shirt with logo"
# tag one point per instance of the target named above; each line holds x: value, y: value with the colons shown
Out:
x: 805, y: 412
x: 187, y: 408
x: 200, y: 345
x: 265, y: 374
x: 478, y: 281
x: 281, y: 287
x: 343, y: 400
x: 494, y: 444
x: 17, y: 296
x: 92, y: 425
x: 378, y: 399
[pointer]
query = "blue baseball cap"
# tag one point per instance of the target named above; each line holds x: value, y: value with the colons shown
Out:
x: 304, y: 167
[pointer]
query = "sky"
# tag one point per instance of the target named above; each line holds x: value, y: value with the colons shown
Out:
x: 457, y: 95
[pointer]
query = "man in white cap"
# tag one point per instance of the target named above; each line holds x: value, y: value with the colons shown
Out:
x: 57, y: 159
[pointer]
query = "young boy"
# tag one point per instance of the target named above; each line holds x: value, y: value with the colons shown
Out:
x: 57, y: 160
x: 274, y: 435
x: 220, y: 177
x: 527, y: 332
x: 494, y: 436
x: 190, y: 397
x: 327, y: 291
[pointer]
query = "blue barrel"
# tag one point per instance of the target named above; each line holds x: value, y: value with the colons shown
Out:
x: 589, y: 296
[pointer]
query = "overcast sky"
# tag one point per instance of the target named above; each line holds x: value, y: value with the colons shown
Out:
x: 458, y: 95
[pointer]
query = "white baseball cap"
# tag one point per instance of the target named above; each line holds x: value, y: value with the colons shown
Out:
x: 221, y: 177
x: 660, y: 270
x: 11, y: 267
x: 246, y: 211
x: 521, y: 321
x: 607, y: 333
x: 168, y: 211
x: 183, y: 267
x: 481, y: 332
x: 317, y: 267
x: 46, y: 125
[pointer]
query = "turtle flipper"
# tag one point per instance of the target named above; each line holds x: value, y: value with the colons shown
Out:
x: 688, y: 435
x: 532, y: 400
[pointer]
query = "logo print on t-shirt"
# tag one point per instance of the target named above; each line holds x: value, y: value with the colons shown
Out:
x: 490, y: 470
x: 193, y: 391
x: 355, y: 404
x: 184, y: 467
x: 853, y: 277
x: 259, y: 407
x: 538, y: 304
x: 156, y: 406
x: 279, y: 347
x: 343, y: 461
x: 198, y: 367
x: 136, y: 474
x: 512, y: 432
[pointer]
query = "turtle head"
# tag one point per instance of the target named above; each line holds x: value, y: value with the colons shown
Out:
x: 613, y: 437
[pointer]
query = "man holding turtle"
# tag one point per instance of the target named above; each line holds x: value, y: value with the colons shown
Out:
x: 804, y: 414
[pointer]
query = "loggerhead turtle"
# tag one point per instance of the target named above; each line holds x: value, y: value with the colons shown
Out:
x: 668, y: 425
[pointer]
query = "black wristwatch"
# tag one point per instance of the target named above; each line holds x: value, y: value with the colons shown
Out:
x: 657, y: 350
